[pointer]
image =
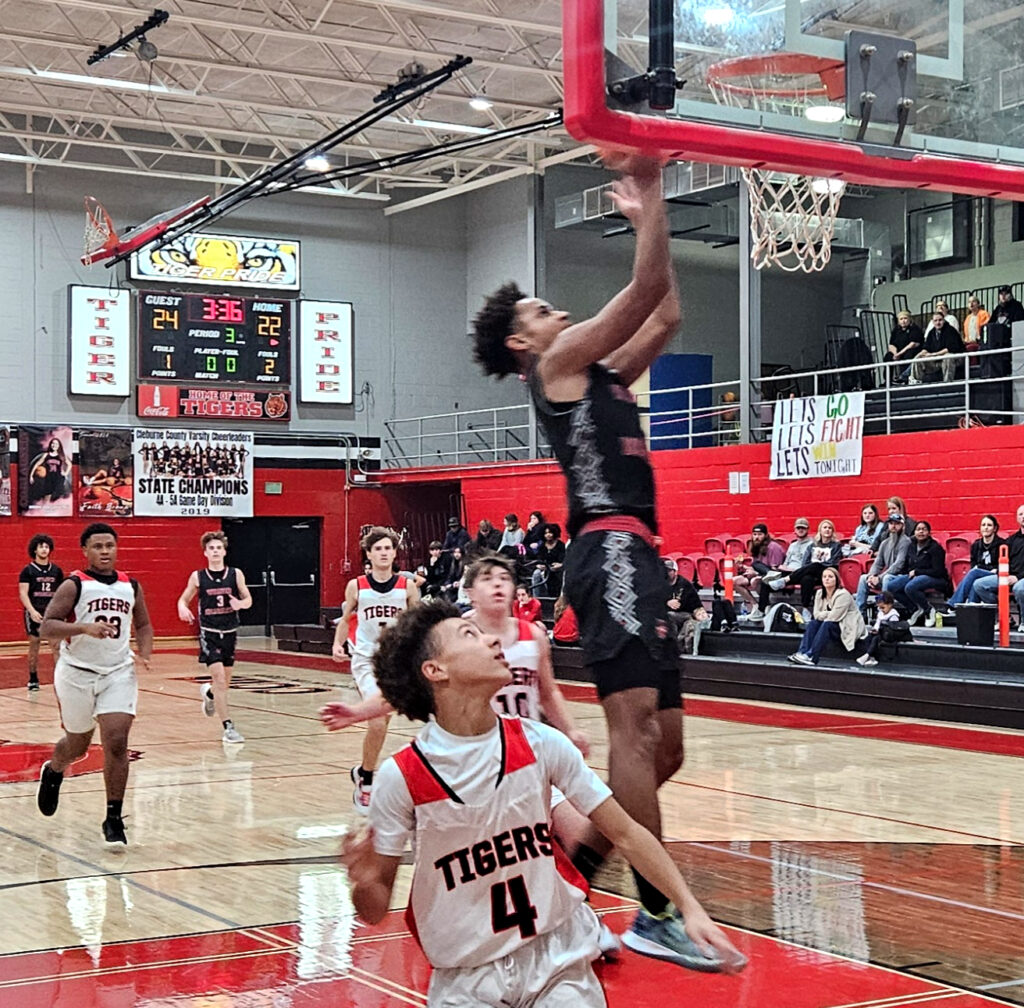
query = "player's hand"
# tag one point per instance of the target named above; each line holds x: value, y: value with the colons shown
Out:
x: 580, y: 740
x: 235, y: 603
x: 98, y: 629
x: 712, y: 941
x: 338, y: 652
x: 338, y: 715
x: 643, y: 167
x: 185, y: 615
x: 358, y: 858
x: 147, y: 662
x: 36, y: 617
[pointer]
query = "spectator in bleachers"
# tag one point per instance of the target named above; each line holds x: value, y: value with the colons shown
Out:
x: 567, y: 629
x: 897, y: 505
x: 941, y: 308
x: 984, y: 559
x: 534, y: 534
x: 437, y: 571
x: 456, y: 536
x: 764, y: 554
x: 986, y: 589
x: 1008, y: 310
x: 525, y: 606
x: 887, y: 613
x: 512, y: 536
x: 794, y: 558
x: 453, y: 577
x: 824, y: 550
x: 890, y: 561
x: 938, y: 356
x: 905, y: 340
x: 487, y: 536
x: 685, y: 612
x: 926, y: 570
x: 868, y: 535
x: 975, y: 318
x: 547, y: 577
x: 836, y: 617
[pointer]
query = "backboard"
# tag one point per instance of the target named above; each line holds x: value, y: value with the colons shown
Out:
x: 907, y: 93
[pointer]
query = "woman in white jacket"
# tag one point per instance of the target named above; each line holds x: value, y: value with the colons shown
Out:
x: 836, y: 617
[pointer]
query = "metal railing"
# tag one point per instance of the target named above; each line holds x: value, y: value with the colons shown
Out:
x: 711, y: 413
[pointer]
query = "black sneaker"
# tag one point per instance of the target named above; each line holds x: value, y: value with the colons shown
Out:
x: 48, y: 793
x: 113, y: 830
x: 33, y: 685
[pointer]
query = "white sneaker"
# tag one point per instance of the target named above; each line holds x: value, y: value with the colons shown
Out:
x: 206, y: 695
x: 232, y: 734
x: 915, y: 617
x: 801, y: 659
x: 777, y: 584
x: 609, y: 943
x: 866, y: 659
x: 930, y: 618
x: 755, y: 614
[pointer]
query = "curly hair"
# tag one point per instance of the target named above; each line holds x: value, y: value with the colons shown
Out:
x: 402, y: 649
x: 375, y: 534
x: 493, y: 324
x: 40, y: 540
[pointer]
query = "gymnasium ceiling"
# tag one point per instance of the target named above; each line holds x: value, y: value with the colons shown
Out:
x: 239, y: 84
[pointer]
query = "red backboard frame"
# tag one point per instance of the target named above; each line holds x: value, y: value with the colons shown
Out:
x: 588, y: 119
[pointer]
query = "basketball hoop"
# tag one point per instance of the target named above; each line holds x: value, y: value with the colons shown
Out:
x: 102, y: 242
x: 792, y: 217
x: 100, y: 236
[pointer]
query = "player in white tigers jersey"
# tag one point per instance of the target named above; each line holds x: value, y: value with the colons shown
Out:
x: 371, y: 603
x: 472, y: 788
x: 92, y: 615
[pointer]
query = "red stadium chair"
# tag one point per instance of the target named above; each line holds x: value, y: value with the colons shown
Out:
x: 714, y: 545
x: 941, y: 538
x: 735, y: 546
x: 688, y: 566
x: 850, y: 570
x: 707, y: 567
x: 957, y: 547
x: 957, y: 569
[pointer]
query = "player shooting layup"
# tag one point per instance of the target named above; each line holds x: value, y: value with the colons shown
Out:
x: 579, y: 377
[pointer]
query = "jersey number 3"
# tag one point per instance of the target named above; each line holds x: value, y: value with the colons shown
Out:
x: 523, y: 913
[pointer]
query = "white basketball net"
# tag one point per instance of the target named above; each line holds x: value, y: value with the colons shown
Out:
x: 97, y: 227
x: 792, y: 217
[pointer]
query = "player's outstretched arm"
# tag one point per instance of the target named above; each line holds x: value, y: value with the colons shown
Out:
x: 186, y: 597
x: 340, y: 715
x: 638, y: 196
x: 637, y: 355
x: 552, y: 702
x: 646, y: 854
x: 371, y: 875
x: 341, y: 630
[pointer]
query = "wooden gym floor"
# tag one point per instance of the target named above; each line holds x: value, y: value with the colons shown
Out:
x: 861, y: 862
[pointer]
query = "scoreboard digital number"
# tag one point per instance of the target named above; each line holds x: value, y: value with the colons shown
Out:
x: 219, y: 340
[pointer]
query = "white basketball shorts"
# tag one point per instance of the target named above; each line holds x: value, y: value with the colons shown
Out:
x: 365, y: 680
x: 83, y: 695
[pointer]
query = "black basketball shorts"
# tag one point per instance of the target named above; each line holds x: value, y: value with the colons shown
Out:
x: 216, y: 647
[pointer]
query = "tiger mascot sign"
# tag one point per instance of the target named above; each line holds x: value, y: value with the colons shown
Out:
x: 221, y: 260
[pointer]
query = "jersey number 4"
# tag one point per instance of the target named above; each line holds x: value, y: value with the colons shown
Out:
x: 523, y: 914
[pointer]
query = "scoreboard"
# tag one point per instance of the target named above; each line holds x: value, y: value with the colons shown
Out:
x: 216, y: 340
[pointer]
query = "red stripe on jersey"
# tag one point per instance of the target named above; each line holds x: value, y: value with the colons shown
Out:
x: 567, y: 869
x: 362, y: 582
x: 121, y: 576
x: 518, y: 753
x: 422, y: 784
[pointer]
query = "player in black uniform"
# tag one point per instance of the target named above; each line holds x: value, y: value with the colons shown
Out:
x: 579, y: 377
x: 36, y: 585
x: 222, y: 592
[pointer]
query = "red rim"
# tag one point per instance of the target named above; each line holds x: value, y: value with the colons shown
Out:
x: 830, y: 72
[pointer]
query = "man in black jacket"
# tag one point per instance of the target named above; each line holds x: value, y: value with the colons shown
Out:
x: 685, y: 613
x: 456, y: 536
x: 437, y: 571
x: 987, y: 588
x: 904, y: 342
x: 941, y: 346
x: 926, y: 571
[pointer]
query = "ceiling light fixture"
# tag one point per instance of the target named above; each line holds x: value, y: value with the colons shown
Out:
x: 717, y: 17
x: 480, y: 102
x: 147, y: 52
x: 317, y: 163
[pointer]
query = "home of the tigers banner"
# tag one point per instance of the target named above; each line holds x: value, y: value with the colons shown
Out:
x: 105, y: 484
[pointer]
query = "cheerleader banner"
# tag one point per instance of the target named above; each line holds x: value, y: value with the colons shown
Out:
x: 44, y: 471
x: 104, y: 474
x: 193, y: 473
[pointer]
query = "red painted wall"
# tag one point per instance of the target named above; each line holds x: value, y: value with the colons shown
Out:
x: 161, y: 552
x: 949, y: 477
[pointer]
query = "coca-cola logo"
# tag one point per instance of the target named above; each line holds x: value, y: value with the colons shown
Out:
x: 156, y: 411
